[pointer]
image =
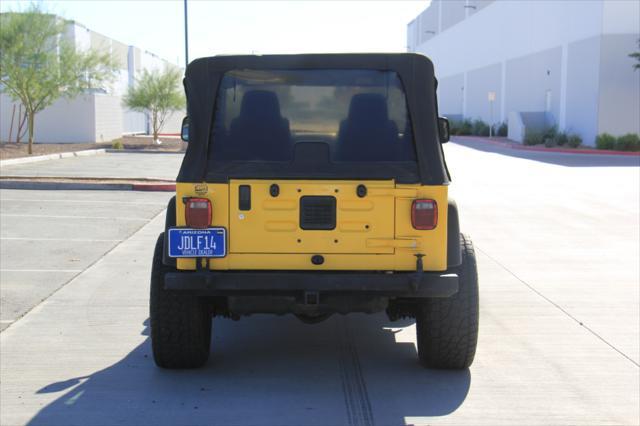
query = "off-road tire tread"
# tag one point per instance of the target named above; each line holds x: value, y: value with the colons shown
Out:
x: 180, y: 323
x: 447, y: 328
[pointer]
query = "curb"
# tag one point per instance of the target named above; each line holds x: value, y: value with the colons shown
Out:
x: 73, y: 186
x: 140, y: 151
x: 156, y: 187
x: 17, y: 184
x: 56, y: 156
x: 578, y: 151
x: 513, y: 145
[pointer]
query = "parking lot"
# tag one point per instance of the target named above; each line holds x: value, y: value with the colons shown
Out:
x: 109, y: 165
x: 557, y: 243
x: 49, y: 237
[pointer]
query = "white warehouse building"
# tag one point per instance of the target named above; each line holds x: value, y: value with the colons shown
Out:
x: 96, y: 116
x: 543, y: 63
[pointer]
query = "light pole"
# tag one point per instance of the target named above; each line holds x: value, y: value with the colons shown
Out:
x: 186, y: 37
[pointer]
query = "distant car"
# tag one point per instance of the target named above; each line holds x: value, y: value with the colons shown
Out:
x: 313, y: 185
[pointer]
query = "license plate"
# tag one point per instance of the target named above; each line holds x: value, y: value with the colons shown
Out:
x: 187, y: 242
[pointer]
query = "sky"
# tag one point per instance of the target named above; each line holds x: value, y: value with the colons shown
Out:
x: 232, y: 27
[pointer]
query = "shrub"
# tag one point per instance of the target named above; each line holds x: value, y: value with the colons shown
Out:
x: 454, y: 127
x: 466, y: 127
x: 502, y: 130
x: 628, y: 142
x: 574, y: 140
x: 533, y: 137
x: 480, y: 128
x: 605, y: 141
x: 550, y: 132
x: 561, y: 139
x: 549, y: 135
x: 460, y: 127
x: 117, y: 144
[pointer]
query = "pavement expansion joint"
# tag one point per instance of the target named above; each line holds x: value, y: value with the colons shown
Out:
x: 83, y: 271
x: 557, y: 306
x: 354, y: 386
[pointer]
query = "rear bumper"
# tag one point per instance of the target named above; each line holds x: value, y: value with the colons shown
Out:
x: 237, y: 283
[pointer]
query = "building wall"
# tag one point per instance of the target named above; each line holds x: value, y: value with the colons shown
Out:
x: 621, y: 17
x: 581, y: 115
x: 173, y: 124
x: 440, y: 16
x: 479, y: 83
x: 453, y: 11
x: 452, y: 90
x: 505, y: 30
x: 108, y: 112
x: 566, y: 57
x: 619, y: 102
x: 66, y: 121
x: 533, y: 83
x: 80, y: 35
x: 133, y: 122
x: 412, y: 35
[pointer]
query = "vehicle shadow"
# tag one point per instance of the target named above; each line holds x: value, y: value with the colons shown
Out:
x: 557, y: 158
x: 268, y: 370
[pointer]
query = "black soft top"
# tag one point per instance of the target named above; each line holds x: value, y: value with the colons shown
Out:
x: 202, y: 79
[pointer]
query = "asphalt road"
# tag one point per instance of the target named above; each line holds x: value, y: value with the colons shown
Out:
x: 558, y: 249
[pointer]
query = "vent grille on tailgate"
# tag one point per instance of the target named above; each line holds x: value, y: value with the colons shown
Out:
x: 317, y: 213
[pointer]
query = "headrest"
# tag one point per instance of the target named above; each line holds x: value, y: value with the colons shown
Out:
x: 260, y: 105
x: 368, y: 106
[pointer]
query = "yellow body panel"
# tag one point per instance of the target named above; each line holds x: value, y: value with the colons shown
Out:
x: 372, y: 233
x: 272, y: 224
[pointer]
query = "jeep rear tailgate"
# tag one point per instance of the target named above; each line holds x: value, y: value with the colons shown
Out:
x: 296, y: 216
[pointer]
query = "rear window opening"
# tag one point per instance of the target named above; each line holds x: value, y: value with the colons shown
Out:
x: 360, y: 115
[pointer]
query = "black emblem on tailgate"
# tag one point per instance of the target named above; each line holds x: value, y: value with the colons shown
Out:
x: 317, y: 213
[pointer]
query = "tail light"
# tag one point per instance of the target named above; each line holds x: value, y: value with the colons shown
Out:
x: 424, y: 214
x: 198, y: 212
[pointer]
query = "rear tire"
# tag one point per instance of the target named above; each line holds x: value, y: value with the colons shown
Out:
x: 447, y: 328
x: 180, y: 323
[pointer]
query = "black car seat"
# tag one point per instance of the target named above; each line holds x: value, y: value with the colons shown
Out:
x: 406, y: 150
x: 367, y: 134
x: 260, y: 132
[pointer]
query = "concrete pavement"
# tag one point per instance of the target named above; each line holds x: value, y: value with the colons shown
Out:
x: 48, y: 237
x: 109, y: 165
x: 558, y: 260
x: 568, y: 226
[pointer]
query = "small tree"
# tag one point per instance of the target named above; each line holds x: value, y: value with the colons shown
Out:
x: 39, y: 64
x: 636, y: 56
x: 159, y: 94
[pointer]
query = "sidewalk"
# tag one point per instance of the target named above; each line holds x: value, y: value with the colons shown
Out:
x: 111, y: 171
x: 79, y: 183
x: 506, y: 143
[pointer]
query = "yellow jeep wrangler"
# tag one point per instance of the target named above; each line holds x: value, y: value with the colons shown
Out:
x: 313, y: 185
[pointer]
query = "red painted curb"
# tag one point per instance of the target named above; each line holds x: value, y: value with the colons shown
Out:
x: 514, y: 145
x: 577, y: 151
x: 164, y: 187
x: 487, y: 141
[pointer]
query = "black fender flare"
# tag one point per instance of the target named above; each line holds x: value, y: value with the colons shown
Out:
x: 454, y: 253
x: 169, y: 221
